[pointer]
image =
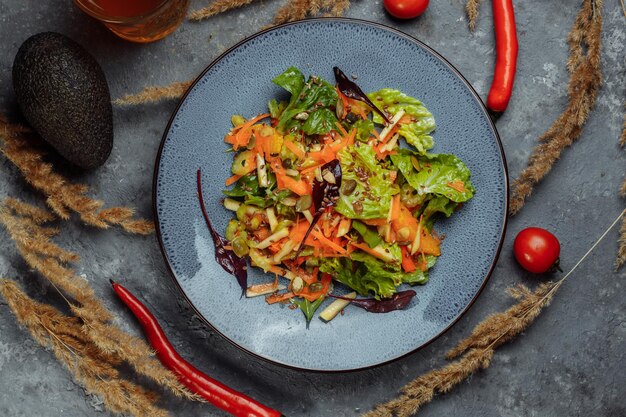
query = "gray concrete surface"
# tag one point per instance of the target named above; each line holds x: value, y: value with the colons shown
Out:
x: 569, y: 363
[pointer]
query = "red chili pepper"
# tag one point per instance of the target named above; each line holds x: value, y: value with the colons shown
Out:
x: 506, y: 55
x: 215, y: 392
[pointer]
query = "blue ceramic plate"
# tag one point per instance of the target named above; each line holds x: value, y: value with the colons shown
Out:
x: 239, y: 82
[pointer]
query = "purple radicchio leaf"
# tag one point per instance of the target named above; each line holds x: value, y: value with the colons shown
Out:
x: 325, y: 194
x: 397, y: 302
x: 231, y: 263
x: 351, y: 90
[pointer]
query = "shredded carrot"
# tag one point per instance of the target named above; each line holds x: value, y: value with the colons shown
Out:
x: 341, y: 129
x: 395, y: 208
x: 309, y: 169
x: 344, y: 101
x: 326, y: 242
x: 231, y: 180
x: 240, y: 136
x: 457, y: 185
x: 360, y: 111
x: 295, y: 149
x: 277, y: 298
x: 375, y: 222
x: 408, y: 265
x: 406, y: 119
x: 367, y: 249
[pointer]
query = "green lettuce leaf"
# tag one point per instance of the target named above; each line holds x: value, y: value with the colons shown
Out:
x: 371, y: 197
x: 416, y: 134
x: 276, y: 108
x: 364, y: 129
x: 308, y: 107
x: 291, y: 80
x: 437, y: 171
x: 368, y: 275
x: 369, y: 236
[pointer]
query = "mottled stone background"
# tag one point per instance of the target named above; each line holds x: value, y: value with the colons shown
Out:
x: 570, y: 363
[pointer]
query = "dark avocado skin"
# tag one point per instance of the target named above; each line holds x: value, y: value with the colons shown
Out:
x: 63, y: 93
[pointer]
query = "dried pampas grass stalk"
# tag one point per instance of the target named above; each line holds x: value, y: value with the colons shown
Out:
x: 84, y: 303
x: 336, y: 8
x: 294, y: 10
x: 584, y: 83
x: 620, y: 260
x: 154, y: 94
x: 476, y: 351
x: 62, y: 196
x: 471, y: 8
x: 217, y: 7
x: 290, y: 11
x: 92, y: 368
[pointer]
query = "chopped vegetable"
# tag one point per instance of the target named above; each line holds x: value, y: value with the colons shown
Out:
x: 336, y: 307
x: 328, y: 191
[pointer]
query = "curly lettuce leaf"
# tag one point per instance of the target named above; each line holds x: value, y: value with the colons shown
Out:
x: 308, y: 108
x: 440, y: 174
x: 417, y: 133
x: 291, y: 80
x: 372, y: 196
x: 367, y: 275
x: 364, y: 129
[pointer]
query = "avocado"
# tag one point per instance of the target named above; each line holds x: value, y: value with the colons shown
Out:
x: 64, y: 95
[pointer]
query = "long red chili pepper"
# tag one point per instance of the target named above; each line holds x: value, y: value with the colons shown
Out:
x: 506, y: 55
x: 218, y: 394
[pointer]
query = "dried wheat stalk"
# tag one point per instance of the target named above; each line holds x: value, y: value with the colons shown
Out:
x: 291, y: 11
x: 217, y: 7
x: 96, y: 318
x: 471, y: 8
x: 93, y: 369
x: 154, y: 94
x: 62, y: 196
x: 585, y: 80
x: 335, y: 8
x: 621, y: 251
x: 475, y: 352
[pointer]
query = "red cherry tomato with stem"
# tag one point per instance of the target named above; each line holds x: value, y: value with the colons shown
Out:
x: 537, y: 250
x: 405, y: 9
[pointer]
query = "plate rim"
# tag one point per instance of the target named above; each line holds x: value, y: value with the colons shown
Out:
x: 410, y: 38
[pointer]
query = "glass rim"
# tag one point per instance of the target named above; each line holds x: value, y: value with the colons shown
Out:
x: 82, y: 4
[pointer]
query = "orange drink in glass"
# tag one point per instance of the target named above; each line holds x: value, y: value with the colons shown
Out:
x: 137, y: 20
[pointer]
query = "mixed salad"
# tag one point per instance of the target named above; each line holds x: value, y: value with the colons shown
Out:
x: 323, y: 192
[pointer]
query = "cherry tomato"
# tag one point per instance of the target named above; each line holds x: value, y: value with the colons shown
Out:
x: 405, y: 9
x: 537, y: 250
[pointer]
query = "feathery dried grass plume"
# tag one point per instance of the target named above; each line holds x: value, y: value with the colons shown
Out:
x: 217, y: 7
x: 471, y: 8
x: 335, y: 8
x: 584, y: 83
x: 290, y: 11
x: 620, y: 260
x: 295, y: 10
x: 33, y: 243
x: 62, y: 196
x: 154, y: 94
x: 476, y: 351
x: 92, y: 368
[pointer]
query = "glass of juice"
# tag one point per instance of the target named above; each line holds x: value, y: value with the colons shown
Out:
x: 137, y: 20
